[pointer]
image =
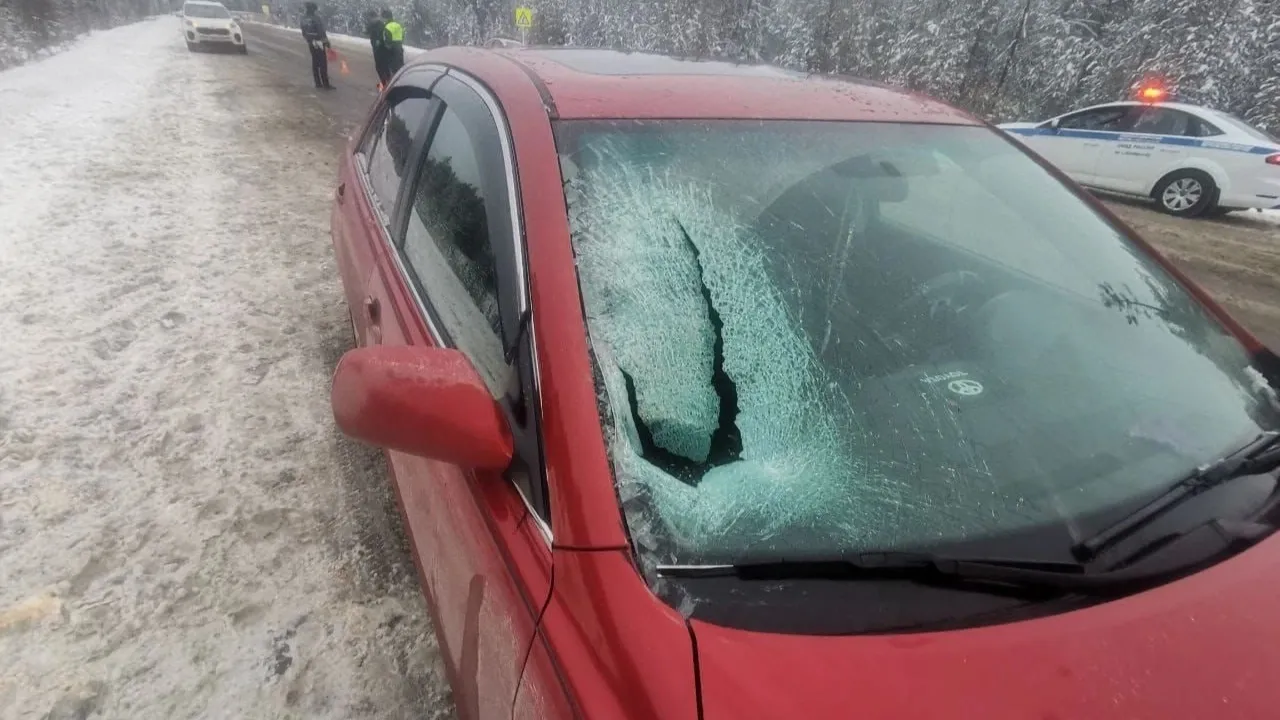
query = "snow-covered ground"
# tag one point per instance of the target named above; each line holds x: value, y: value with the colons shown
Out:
x: 182, y: 532
x: 1271, y: 216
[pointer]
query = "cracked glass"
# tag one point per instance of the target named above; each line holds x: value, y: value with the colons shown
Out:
x: 815, y: 337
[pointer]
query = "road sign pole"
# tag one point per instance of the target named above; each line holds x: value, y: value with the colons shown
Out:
x: 524, y: 21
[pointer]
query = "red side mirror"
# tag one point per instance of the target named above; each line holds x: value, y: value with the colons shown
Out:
x: 428, y: 402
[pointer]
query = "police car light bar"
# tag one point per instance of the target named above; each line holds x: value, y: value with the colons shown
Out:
x: 1273, y: 159
x: 1152, y: 94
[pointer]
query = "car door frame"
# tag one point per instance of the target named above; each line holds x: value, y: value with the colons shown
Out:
x: 519, y: 335
x: 525, y: 542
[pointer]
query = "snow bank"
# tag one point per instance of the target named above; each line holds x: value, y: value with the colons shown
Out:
x: 1271, y: 216
x: 182, y: 532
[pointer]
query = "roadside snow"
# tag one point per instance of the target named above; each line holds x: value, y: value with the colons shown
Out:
x: 182, y: 532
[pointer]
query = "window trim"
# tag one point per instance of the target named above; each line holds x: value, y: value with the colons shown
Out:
x: 518, y: 244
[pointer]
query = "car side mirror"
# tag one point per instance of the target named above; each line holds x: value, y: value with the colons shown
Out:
x: 428, y: 402
x: 1053, y: 124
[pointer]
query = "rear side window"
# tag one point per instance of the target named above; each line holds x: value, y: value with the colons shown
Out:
x: 1204, y: 128
x: 388, y: 149
x: 449, y: 250
x: 1163, y: 121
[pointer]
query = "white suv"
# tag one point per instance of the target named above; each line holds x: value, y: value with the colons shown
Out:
x: 210, y: 24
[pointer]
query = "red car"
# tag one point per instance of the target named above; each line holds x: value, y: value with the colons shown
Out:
x: 714, y: 391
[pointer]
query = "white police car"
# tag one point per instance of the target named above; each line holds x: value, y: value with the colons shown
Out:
x: 1191, y: 160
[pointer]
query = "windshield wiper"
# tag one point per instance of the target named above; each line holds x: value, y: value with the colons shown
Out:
x: 1025, y: 575
x: 1262, y: 454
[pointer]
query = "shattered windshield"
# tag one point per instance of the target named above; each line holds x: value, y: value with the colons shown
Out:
x: 814, y: 337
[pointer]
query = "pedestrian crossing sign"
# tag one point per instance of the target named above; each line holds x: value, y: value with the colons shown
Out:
x: 524, y: 18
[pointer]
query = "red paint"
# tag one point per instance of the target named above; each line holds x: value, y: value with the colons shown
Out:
x: 597, y: 643
x: 1204, y: 647
x: 744, y: 95
x: 428, y: 402
x: 622, y: 652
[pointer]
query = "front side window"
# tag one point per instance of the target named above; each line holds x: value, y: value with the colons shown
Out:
x: 449, y: 250
x: 821, y: 338
x: 1162, y: 121
x: 1115, y: 118
x: 388, y: 153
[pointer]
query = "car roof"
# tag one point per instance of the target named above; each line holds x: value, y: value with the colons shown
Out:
x: 607, y: 84
x: 204, y: 2
x: 1164, y: 103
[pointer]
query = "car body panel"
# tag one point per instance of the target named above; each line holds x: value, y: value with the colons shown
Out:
x: 622, y: 652
x: 1203, y: 647
x: 651, y: 86
x: 1135, y: 163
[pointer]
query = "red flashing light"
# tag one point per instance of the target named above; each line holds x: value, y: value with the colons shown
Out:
x: 1273, y: 159
x: 1152, y: 94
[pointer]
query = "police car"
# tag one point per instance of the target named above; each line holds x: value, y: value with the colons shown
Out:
x: 1191, y: 160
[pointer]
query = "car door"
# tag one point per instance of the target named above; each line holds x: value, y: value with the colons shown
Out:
x: 452, y: 278
x: 1156, y: 142
x: 1075, y: 144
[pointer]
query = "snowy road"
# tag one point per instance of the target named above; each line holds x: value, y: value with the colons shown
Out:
x: 182, y: 532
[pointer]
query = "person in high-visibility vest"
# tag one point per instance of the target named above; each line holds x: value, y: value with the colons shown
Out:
x: 395, y: 43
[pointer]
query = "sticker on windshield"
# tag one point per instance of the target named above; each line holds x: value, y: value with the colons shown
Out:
x: 965, y: 387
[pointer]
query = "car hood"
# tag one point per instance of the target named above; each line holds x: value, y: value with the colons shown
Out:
x: 1205, y: 646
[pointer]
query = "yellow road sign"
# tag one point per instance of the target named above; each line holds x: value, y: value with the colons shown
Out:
x: 524, y: 18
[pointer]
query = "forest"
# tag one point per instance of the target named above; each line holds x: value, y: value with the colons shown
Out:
x: 1002, y: 59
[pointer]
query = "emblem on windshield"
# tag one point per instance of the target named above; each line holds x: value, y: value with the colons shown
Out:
x: 965, y: 387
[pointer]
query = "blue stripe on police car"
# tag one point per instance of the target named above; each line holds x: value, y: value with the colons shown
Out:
x: 1108, y: 136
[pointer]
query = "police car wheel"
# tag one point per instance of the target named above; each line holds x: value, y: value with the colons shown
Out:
x: 191, y: 47
x: 1186, y: 193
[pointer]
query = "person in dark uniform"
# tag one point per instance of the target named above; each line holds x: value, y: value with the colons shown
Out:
x: 318, y: 42
x: 395, y: 43
x: 377, y: 31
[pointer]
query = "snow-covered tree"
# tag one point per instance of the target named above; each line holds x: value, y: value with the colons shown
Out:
x: 999, y: 58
